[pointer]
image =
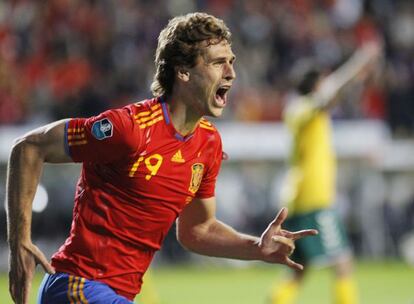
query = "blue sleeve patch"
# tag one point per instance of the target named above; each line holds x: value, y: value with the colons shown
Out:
x: 102, y: 129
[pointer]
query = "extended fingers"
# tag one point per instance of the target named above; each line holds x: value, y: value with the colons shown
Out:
x: 26, y: 291
x: 307, y: 232
x: 280, y: 217
x: 18, y: 288
x: 42, y: 260
x: 46, y: 265
x: 299, y: 234
x: 12, y: 291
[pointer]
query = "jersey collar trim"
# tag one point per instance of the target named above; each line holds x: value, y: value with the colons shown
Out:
x: 165, y: 110
x: 167, y: 120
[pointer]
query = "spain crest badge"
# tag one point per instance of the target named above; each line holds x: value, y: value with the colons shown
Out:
x: 197, y: 170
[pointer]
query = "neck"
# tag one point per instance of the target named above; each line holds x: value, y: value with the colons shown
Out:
x: 183, y: 116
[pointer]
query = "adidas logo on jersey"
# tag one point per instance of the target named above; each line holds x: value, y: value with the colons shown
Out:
x: 177, y: 157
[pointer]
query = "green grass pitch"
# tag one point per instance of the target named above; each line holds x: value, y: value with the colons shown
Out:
x: 379, y: 283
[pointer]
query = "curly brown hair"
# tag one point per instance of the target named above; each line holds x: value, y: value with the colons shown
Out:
x: 179, y: 44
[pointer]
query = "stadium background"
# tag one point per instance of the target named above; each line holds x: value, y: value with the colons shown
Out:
x: 66, y: 58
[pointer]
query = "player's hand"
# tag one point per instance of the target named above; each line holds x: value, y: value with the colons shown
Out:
x: 277, y: 244
x: 23, y: 260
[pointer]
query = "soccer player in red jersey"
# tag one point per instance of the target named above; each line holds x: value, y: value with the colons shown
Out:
x: 144, y: 166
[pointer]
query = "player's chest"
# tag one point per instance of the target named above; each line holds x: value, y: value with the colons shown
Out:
x: 169, y: 167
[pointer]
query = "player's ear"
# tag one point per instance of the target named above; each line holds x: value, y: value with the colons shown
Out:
x: 183, y: 73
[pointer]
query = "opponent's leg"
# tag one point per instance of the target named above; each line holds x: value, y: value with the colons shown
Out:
x: 287, y: 291
x: 345, y: 289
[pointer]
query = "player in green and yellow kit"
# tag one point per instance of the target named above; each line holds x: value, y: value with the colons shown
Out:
x: 309, y: 189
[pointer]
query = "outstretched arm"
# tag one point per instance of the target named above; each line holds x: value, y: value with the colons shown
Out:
x: 332, y: 84
x: 45, y: 144
x: 198, y: 230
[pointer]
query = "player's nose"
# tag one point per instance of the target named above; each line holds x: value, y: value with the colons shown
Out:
x: 229, y: 72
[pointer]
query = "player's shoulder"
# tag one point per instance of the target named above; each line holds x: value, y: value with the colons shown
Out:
x: 128, y: 120
x: 143, y: 107
x: 143, y: 111
x: 208, y: 131
x: 205, y: 124
x: 208, y: 127
x: 147, y: 105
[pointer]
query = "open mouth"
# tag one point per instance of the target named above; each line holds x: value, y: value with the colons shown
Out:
x: 221, y: 96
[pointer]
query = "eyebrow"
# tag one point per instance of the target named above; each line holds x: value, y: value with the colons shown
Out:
x: 233, y: 58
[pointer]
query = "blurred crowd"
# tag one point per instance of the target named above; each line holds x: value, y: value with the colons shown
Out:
x: 65, y: 58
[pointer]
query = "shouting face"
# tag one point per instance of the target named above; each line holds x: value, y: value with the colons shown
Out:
x: 210, y: 79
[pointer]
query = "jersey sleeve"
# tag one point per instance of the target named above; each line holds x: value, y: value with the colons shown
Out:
x: 103, y: 138
x: 208, y: 183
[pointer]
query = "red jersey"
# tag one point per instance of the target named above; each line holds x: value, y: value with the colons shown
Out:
x: 138, y: 173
